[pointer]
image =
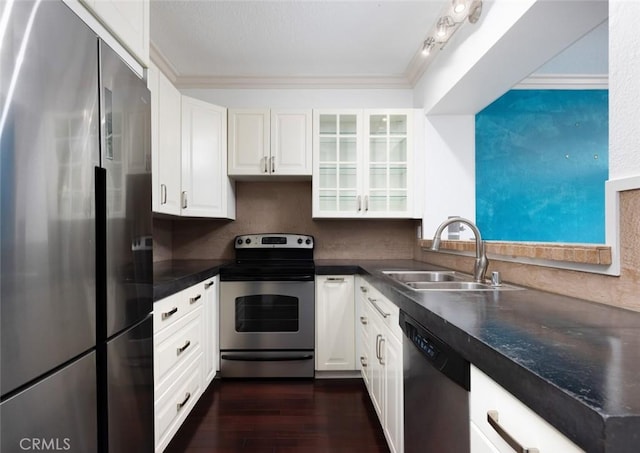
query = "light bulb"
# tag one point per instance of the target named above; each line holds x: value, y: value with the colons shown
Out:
x: 459, y: 6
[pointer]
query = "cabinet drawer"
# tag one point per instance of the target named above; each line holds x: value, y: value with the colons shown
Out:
x: 521, y: 423
x: 173, y: 406
x: 175, y: 345
x: 170, y: 309
x: 388, y: 312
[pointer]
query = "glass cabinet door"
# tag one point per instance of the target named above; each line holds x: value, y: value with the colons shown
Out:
x: 387, y: 185
x: 338, y: 185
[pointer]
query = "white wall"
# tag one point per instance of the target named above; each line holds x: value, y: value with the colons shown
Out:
x: 305, y: 98
x: 449, y: 170
x: 624, y: 91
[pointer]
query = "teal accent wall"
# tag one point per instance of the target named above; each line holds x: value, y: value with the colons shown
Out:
x: 541, y: 166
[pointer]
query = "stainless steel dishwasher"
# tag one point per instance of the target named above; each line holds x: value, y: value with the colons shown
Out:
x: 436, y: 393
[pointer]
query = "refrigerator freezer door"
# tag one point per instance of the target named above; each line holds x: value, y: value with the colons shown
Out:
x: 57, y: 413
x: 126, y: 156
x: 130, y: 389
x: 49, y: 147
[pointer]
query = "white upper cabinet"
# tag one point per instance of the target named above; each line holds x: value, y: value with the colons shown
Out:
x: 364, y: 164
x: 189, y: 143
x: 265, y: 142
x: 166, y: 106
x: 291, y: 140
x: 206, y: 191
x: 128, y: 21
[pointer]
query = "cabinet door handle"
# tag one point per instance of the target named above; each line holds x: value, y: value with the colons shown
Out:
x: 208, y: 285
x: 170, y: 313
x: 492, y: 418
x: 183, y: 348
x: 382, y: 342
x: 163, y: 194
x: 363, y: 361
x: 335, y: 280
x: 373, y: 302
x: 366, y: 203
x: 184, y: 401
x: 378, y: 338
x: 363, y: 320
x: 264, y: 164
x: 273, y: 164
x: 195, y: 299
x: 359, y: 200
x: 184, y: 200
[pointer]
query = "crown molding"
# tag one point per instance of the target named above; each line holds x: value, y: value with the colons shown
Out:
x: 163, y: 63
x: 564, y: 82
x: 285, y: 82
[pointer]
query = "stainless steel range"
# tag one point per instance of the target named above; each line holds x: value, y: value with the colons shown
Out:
x: 267, y: 307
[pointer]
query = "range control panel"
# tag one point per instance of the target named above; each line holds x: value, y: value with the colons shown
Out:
x: 272, y: 241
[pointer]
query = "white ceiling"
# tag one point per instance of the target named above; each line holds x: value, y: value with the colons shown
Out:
x: 210, y: 42
x: 313, y: 43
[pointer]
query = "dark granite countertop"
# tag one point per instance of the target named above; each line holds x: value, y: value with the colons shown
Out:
x: 574, y: 362
x: 172, y: 276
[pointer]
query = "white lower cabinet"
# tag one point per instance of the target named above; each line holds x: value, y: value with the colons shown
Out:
x: 172, y: 407
x: 185, y: 348
x: 362, y: 331
x: 384, y: 363
x: 335, y: 326
x: 211, y: 350
x: 511, y: 416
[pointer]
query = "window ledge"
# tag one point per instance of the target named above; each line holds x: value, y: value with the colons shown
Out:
x: 570, y: 253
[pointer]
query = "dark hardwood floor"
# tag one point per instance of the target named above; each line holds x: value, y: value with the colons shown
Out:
x: 282, y: 416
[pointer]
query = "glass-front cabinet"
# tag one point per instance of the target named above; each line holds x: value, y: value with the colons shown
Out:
x: 363, y: 163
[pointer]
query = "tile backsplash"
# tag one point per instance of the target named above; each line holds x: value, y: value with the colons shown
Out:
x: 284, y: 207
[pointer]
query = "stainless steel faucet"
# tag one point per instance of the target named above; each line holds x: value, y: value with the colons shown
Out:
x: 481, y: 263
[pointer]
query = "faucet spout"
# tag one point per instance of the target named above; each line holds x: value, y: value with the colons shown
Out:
x: 481, y: 262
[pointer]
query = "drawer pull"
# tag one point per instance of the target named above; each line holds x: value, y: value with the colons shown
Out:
x: 363, y: 361
x: 363, y: 320
x: 373, y: 302
x: 334, y: 280
x: 184, y: 401
x: 363, y: 289
x: 208, y: 285
x: 492, y: 418
x: 193, y: 300
x: 183, y: 348
x: 170, y: 313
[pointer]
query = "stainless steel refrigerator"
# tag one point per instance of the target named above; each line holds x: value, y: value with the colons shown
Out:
x: 76, y: 351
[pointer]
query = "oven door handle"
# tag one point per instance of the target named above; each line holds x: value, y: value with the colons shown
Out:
x: 259, y: 358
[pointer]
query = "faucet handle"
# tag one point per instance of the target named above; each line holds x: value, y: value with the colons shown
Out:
x: 496, y: 280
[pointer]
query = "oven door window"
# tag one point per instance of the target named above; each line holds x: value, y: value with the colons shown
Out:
x: 267, y: 313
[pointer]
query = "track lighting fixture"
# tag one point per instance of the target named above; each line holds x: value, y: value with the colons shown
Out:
x: 451, y: 18
x: 428, y: 45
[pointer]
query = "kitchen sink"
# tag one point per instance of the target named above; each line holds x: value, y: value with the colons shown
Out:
x: 425, y: 276
x: 442, y: 281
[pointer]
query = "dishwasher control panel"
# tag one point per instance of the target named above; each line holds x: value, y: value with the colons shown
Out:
x: 441, y: 356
